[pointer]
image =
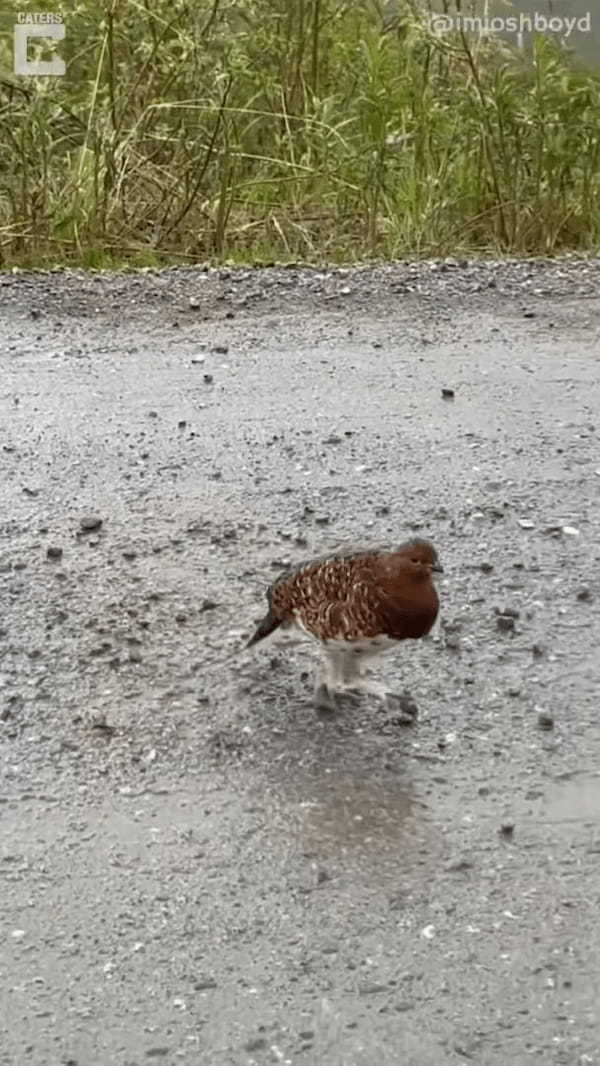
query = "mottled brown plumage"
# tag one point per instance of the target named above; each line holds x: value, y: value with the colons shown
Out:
x: 356, y: 604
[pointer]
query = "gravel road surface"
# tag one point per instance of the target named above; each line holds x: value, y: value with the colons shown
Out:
x: 196, y: 867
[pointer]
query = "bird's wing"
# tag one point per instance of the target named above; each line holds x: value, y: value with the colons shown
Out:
x: 354, y: 616
x: 341, y: 554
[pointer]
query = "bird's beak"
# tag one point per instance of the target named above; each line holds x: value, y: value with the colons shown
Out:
x: 437, y: 568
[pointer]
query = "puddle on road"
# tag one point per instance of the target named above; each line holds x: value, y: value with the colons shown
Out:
x: 575, y: 799
x: 339, y: 814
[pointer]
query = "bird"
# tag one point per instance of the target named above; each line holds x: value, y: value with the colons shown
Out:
x: 357, y: 604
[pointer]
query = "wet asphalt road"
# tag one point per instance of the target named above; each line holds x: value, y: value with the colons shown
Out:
x: 194, y: 866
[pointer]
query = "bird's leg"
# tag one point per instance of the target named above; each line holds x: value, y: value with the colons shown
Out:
x: 324, y: 696
x: 332, y: 679
x: 342, y: 675
x: 342, y: 670
x: 354, y: 661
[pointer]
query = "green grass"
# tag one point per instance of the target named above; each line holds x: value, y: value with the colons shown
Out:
x: 262, y: 130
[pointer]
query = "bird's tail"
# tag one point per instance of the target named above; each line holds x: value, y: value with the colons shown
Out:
x: 268, y: 625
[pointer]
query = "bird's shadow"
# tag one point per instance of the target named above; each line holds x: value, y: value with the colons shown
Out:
x: 343, y: 777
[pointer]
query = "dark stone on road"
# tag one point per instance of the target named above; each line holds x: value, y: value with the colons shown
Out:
x: 90, y: 522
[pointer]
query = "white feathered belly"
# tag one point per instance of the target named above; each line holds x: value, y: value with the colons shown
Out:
x: 366, y: 646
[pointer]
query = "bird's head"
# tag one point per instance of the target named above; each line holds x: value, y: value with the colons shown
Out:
x: 418, y: 559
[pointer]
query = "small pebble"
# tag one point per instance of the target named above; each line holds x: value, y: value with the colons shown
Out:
x: 257, y: 1043
x: 448, y: 394
x: 54, y: 552
x: 584, y: 594
x: 459, y: 865
x: 205, y: 983
x: 507, y: 830
x: 545, y: 720
x: 505, y: 623
x: 90, y: 522
x: 408, y: 706
x: 98, y: 721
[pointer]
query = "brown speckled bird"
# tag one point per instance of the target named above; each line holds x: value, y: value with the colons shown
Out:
x: 357, y: 604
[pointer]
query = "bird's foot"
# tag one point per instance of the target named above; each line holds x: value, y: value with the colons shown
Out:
x: 324, y: 699
x: 331, y: 698
x: 400, y: 704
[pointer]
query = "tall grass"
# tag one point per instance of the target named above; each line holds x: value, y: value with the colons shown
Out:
x: 255, y: 130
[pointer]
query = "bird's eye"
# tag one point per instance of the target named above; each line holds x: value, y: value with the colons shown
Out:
x: 415, y: 560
